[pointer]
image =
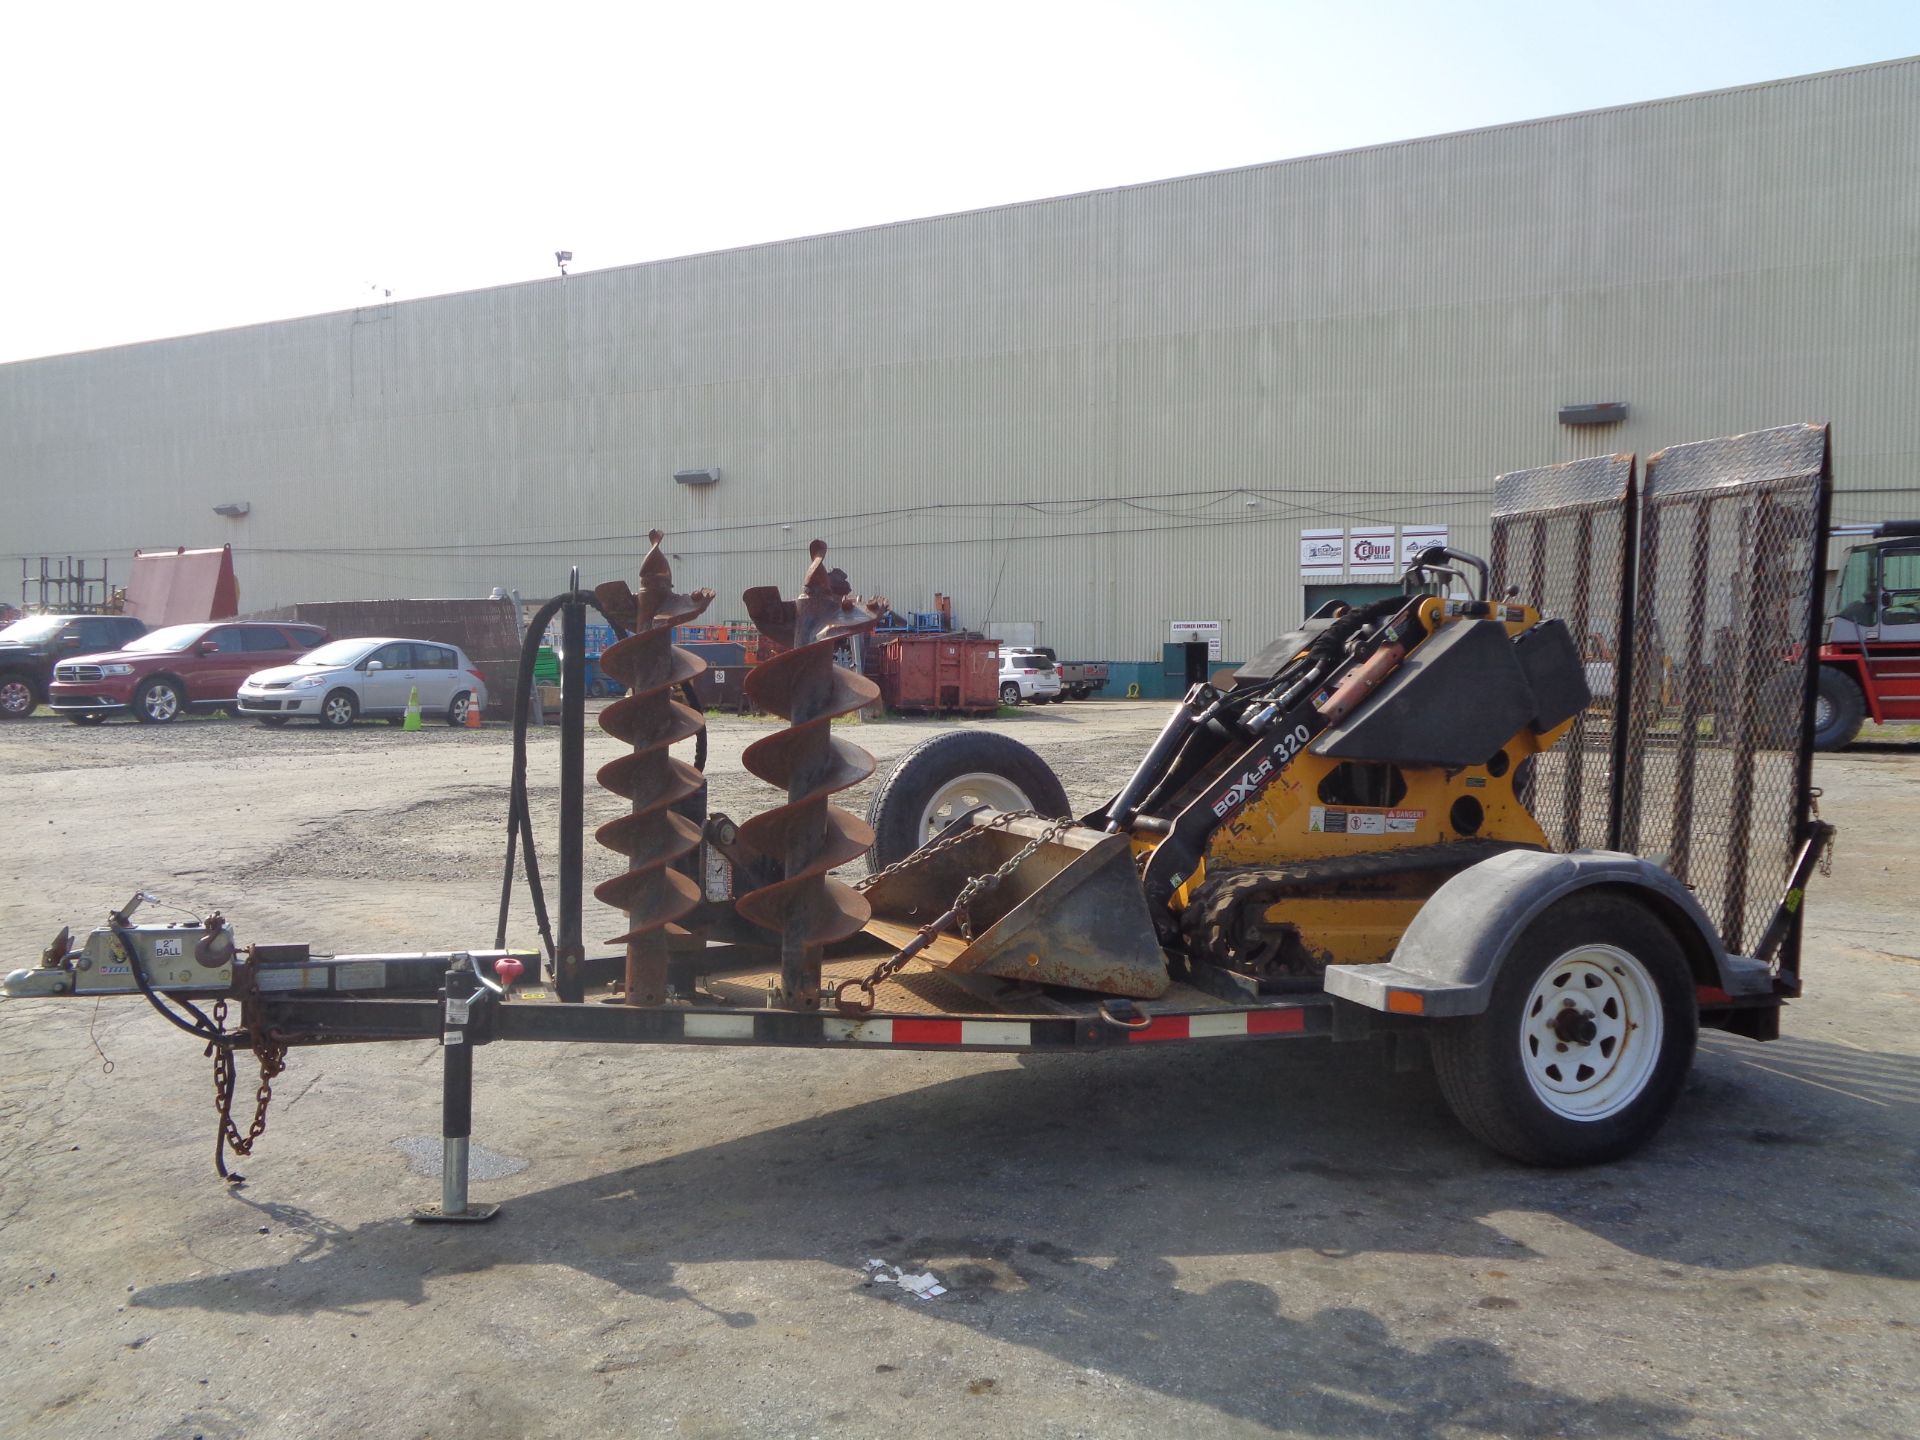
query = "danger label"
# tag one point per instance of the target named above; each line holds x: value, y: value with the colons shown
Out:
x: 1337, y: 820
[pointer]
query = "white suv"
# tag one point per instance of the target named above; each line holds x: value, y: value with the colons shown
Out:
x: 1027, y: 675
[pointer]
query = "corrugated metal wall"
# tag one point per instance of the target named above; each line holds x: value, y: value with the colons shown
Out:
x: 1057, y: 411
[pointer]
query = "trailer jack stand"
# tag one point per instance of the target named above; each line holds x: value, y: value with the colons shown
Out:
x: 456, y: 1103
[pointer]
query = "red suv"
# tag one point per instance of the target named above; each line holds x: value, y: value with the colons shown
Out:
x: 166, y: 673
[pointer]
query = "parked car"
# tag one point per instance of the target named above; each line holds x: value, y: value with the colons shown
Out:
x: 31, y: 647
x: 1027, y: 675
x: 368, y: 678
x: 165, y: 673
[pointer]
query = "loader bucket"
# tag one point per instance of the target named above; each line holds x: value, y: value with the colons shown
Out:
x: 1071, y: 914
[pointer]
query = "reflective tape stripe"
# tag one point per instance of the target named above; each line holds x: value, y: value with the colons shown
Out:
x: 1225, y: 1024
x: 927, y: 1032
x: 717, y: 1027
x: 861, y: 1032
x: 995, y: 1032
x: 1164, y: 1027
x: 1200, y: 1027
x: 1288, y: 1021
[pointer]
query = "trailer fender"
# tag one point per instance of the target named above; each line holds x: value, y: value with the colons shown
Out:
x: 1447, y: 961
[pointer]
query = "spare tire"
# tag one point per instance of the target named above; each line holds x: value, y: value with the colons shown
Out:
x: 940, y: 779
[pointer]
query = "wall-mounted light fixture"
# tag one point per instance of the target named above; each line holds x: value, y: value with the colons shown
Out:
x: 233, y: 509
x: 707, y: 475
x: 1602, y: 412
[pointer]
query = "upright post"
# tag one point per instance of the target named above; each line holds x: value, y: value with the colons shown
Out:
x: 570, y: 980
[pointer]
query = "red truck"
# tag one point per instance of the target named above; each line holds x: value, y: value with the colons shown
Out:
x: 1870, y: 659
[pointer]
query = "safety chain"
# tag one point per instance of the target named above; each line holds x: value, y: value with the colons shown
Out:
x: 273, y: 1060
x: 927, y: 852
x: 959, y: 909
x: 1826, y: 850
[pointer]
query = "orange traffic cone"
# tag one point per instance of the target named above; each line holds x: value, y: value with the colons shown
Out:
x: 473, y: 713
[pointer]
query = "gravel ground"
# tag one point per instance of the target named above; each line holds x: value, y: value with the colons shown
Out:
x: 1224, y: 1241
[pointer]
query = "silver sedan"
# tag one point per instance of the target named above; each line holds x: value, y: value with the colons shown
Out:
x: 369, y: 678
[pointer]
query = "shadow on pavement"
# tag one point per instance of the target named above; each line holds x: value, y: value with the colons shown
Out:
x: 1008, y: 1180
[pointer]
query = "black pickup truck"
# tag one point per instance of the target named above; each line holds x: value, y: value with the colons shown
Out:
x: 30, y: 647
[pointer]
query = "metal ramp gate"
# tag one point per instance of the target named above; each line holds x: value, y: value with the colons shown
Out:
x: 1695, y: 595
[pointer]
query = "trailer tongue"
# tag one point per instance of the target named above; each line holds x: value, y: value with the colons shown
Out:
x: 1407, y: 813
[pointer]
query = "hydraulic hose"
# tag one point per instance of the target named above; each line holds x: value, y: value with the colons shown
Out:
x: 519, y: 812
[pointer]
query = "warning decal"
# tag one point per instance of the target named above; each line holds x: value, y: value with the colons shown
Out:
x: 1332, y: 820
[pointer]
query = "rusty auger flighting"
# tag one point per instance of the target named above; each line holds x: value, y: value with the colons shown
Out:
x: 651, y: 892
x: 807, y: 837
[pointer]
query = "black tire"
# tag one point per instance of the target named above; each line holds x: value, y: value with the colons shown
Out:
x: 339, y: 710
x: 19, y: 696
x: 159, y: 702
x: 272, y: 722
x: 86, y: 719
x: 1010, y: 693
x: 457, y: 709
x: 1839, y: 710
x: 1487, y: 1082
x: 899, y: 806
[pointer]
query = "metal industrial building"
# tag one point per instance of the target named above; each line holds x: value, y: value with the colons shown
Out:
x: 1102, y: 414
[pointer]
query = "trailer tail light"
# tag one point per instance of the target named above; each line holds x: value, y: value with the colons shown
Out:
x: 1406, y: 1002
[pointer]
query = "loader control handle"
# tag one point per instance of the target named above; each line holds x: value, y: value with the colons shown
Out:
x: 1434, y: 562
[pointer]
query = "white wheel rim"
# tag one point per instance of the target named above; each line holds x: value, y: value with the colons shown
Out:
x: 162, y: 703
x: 15, y: 697
x: 969, y: 792
x: 338, y: 711
x: 1822, y: 712
x: 1590, y: 1033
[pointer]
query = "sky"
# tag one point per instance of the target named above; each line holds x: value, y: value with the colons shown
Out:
x: 171, y: 169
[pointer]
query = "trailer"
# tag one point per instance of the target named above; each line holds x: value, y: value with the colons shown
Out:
x: 1328, y: 848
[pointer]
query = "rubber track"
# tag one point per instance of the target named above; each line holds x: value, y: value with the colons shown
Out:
x: 1213, y: 924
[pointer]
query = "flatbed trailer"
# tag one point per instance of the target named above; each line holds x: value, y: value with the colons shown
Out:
x: 1722, y: 803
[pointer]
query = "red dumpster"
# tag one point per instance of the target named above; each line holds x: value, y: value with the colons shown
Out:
x: 941, y: 673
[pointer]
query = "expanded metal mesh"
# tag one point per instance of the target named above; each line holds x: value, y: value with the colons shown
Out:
x: 1729, y: 547
x: 1560, y: 537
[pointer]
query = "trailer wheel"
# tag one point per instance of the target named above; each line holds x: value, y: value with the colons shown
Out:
x: 1586, y: 1041
x: 939, y: 780
x: 1839, y: 710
